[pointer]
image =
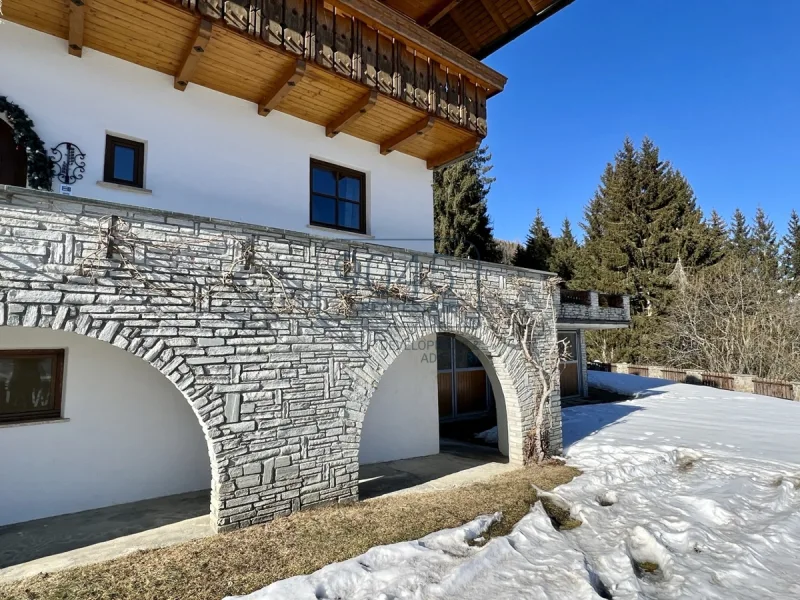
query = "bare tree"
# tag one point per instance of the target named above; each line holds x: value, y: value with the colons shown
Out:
x: 508, y: 250
x: 533, y: 326
x: 530, y: 329
x: 734, y: 318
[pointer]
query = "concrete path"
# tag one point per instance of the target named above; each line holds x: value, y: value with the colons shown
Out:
x: 56, y: 543
x: 84, y: 538
x: 457, y: 464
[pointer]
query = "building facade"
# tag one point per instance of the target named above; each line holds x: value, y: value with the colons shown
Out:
x: 216, y: 227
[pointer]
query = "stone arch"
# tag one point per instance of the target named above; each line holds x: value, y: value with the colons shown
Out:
x: 508, y: 371
x: 157, y: 354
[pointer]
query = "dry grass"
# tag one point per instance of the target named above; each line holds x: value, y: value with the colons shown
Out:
x: 561, y: 517
x: 246, y: 560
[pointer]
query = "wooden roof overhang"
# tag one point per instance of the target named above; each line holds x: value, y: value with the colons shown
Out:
x: 352, y: 66
x: 478, y: 27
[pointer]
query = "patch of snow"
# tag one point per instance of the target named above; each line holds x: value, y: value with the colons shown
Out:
x: 685, y: 415
x: 678, y: 514
x: 489, y: 436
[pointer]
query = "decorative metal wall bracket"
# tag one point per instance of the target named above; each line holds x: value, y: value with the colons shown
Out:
x: 69, y: 162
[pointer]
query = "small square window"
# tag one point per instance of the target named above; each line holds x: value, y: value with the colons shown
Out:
x: 30, y: 385
x: 338, y: 197
x: 124, y: 162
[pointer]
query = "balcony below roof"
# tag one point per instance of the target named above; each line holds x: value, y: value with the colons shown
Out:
x: 348, y: 73
x: 593, y: 310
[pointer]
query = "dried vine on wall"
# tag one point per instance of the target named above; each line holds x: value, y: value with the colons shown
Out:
x: 531, y: 325
x: 510, y: 317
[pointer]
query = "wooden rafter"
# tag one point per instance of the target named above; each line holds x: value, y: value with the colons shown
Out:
x: 535, y: 15
x: 193, y: 54
x: 352, y: 114
x: 496, y: 15
x: 293, y: 75
x: 454, y: 154
x: 526, y: 8
x: 438, y: 12
x: 77, y: 9
x: 419, y: 128
x: 465, y: 27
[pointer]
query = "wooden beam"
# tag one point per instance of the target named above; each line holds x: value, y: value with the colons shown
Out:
x: 77, y: 10
x: 464, y: 26
x: 526, y: 8
x: 352, y: 114
x: 438, y: 12
x: 419, y: 128
x: 517, y: 30
x: 293, y: 75
x: 496, y: 15
x: 379, y: 16
x: 196, y: 50
x: 454, y: 154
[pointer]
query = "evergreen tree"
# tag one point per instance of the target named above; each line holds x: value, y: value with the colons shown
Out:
x: 564, y: 257
x: 766, y: 249
x: 741, y: 243
x: 642, y: 224
x: 461, y: 223
x: 695, y: 242
x: 790, y: 260
x: 538, y: 246
x: 718, y: 232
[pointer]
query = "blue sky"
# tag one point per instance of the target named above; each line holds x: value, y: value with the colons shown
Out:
x: 714, y: 83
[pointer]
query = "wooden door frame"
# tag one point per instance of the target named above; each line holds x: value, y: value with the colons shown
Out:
x: 454, y: 414
x: 577, y: 353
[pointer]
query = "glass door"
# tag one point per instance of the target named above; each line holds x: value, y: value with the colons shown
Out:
x: 570, y: 369
x: 464, y: 388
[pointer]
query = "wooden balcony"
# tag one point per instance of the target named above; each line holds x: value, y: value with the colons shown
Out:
x: 374, y: 74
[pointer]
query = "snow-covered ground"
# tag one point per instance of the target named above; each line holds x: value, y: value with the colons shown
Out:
x: 490, y: 436
x: 703, y: 483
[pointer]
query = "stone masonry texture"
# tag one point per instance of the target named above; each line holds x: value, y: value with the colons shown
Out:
x: 276, y: 339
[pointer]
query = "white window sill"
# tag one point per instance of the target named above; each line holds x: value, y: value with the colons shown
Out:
x: 42, y: 422
x: 124, y: 188
x: 341, y: 232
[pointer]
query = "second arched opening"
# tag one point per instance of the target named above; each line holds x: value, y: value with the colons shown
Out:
x: 439, y: 410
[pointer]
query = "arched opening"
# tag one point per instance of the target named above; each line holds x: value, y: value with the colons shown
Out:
x: 469, y: 409
x: 438, y: 411
x: 13, y: 158
x: 111, y: 435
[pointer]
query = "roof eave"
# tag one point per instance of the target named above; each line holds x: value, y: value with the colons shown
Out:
x: 523, y: 27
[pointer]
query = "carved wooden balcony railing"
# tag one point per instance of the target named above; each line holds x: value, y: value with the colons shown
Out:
x: 351, y: 66
x: 331, y: 38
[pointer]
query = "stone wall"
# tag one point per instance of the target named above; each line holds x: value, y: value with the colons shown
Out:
x: 277, y: 339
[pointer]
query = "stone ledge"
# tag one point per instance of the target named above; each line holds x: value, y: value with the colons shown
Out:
x: 11, y: 192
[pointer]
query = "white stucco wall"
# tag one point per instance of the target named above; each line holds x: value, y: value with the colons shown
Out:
x: 130, y: 435
x: 207, y: 153
x: 402, y: 420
